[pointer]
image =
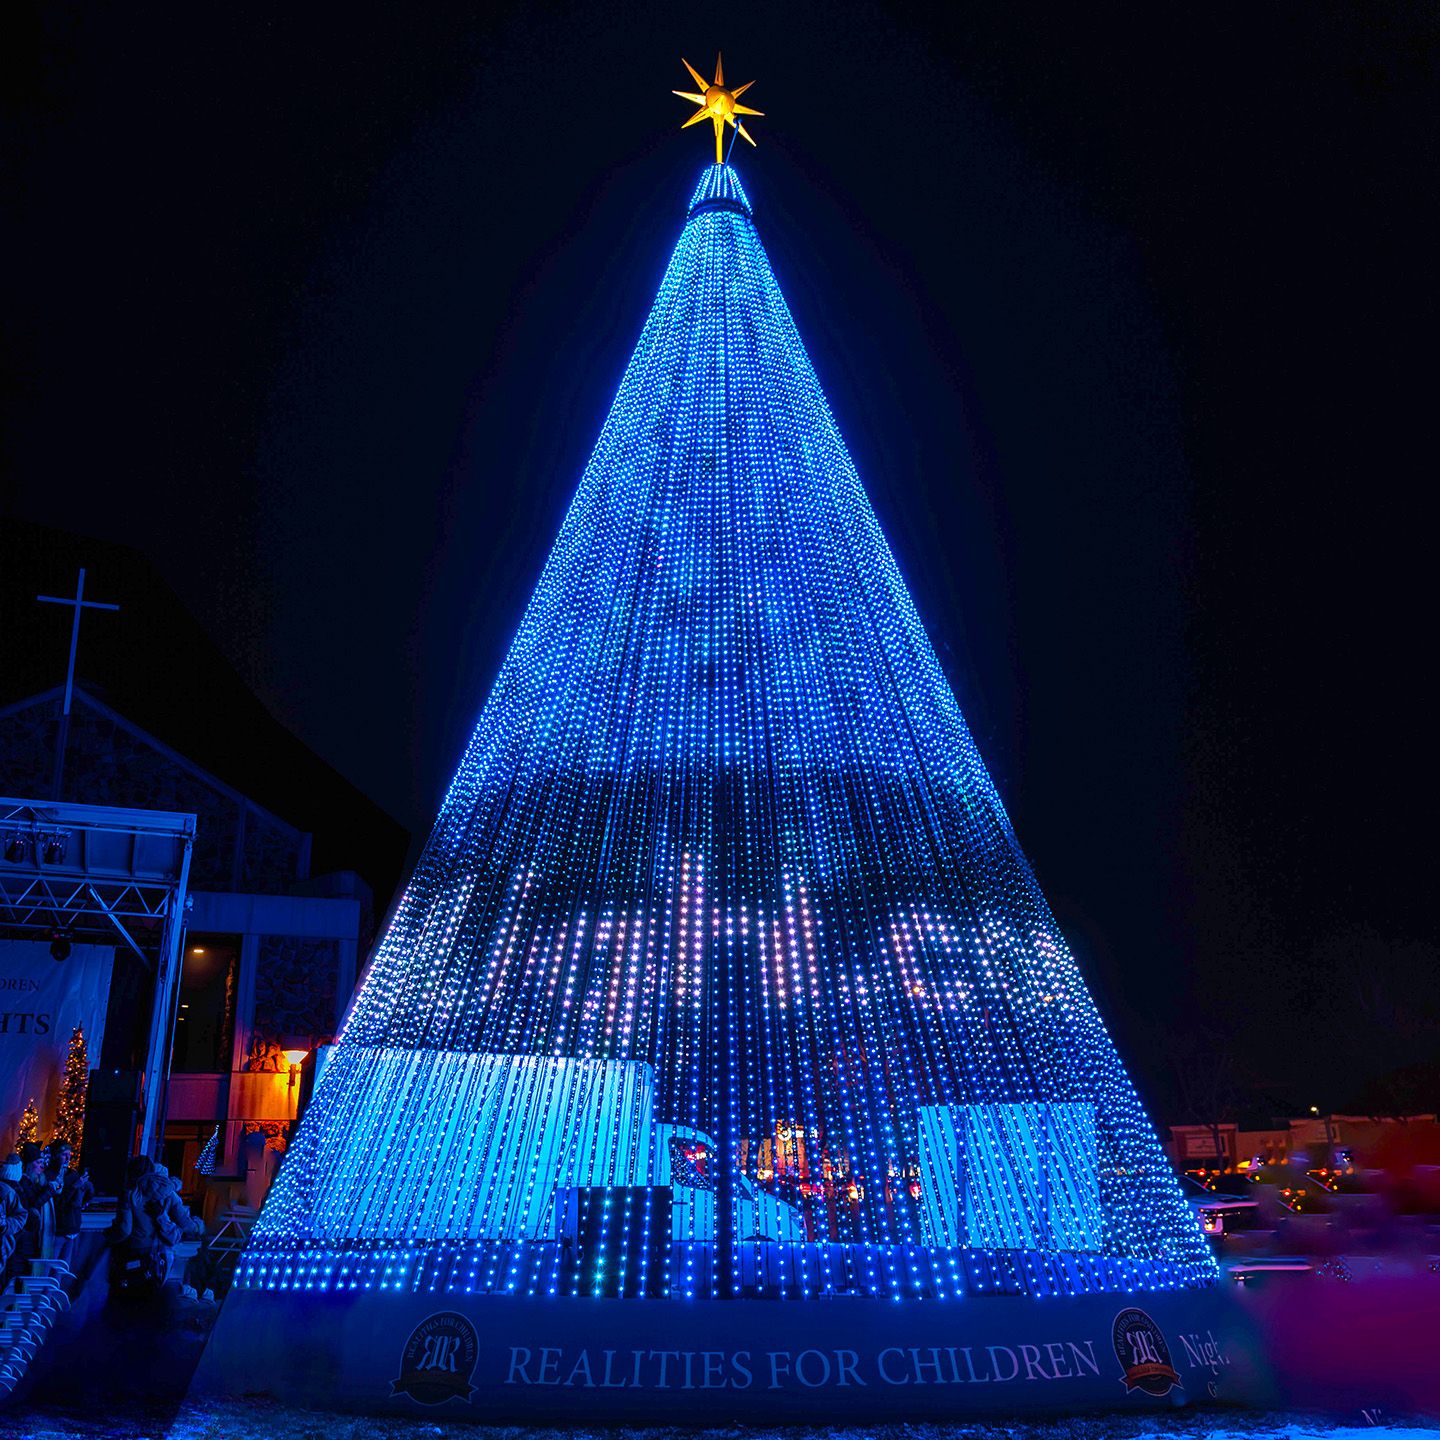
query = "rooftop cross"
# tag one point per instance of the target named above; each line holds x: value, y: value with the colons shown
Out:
x: 717, y: 104
x: 79, y: 602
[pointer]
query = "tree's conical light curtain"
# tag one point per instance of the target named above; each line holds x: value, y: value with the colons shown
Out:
x: 722, y: 972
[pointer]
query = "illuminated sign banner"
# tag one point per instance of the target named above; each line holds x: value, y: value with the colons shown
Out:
x: 41, y: 1002
x: 536, y: 1360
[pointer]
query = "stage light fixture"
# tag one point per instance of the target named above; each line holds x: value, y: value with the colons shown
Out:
x: 60, y: 946
x: 55, y: 847
x: 15, y: 848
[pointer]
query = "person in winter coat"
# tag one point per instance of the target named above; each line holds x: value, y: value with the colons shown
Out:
x: 37, y: 1241
x: 150, y: 1220
x: 73, y: 1194
x: 13, y: 1213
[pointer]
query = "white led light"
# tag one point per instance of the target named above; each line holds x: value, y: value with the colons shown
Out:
x: 722, y: 864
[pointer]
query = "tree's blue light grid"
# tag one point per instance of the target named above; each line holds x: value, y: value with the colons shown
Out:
x: 722, y: 972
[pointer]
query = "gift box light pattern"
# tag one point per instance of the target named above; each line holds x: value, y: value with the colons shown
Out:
x: 721, y: 836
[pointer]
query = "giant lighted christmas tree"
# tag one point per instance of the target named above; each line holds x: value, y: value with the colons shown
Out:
x: 722, y: 973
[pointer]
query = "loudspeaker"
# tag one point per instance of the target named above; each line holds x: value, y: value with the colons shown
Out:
x: 114, y: 1087
x: 112, y: 1109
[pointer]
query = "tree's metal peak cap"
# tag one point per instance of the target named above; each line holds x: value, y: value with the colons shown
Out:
x: 719, y: 189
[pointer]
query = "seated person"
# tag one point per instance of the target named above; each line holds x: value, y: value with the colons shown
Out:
x: 150, y: 1221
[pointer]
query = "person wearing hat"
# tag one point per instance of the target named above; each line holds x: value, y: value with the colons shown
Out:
x: 150, y: 1220
x: 13, y: 1213
x: 36, y: 1195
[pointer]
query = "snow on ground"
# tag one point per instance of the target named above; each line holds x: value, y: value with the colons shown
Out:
x: 271, y: 1422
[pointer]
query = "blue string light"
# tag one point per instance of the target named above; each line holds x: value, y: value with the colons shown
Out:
x: 722, y: 972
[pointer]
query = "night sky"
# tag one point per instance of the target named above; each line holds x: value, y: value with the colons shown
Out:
x: 1127, y: 315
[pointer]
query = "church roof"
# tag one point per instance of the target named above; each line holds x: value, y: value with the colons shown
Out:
x: 154, y: 669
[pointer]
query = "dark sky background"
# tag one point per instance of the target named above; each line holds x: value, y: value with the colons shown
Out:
x: 1127, y: 314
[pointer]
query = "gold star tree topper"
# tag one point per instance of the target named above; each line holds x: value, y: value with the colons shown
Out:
x: 717, y: 104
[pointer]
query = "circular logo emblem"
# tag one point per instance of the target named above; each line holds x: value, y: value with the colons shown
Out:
x: 1143, y: 1354
x: 438, y: 1360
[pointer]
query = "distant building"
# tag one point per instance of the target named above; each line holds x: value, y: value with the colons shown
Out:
x: 1223, y: 1146
x: 1308, y: 1139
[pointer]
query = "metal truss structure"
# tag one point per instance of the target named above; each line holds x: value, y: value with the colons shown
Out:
x: 92, y: 874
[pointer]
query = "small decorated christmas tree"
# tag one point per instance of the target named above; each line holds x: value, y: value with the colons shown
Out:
x: 29, y: 1123
x: 70, y: 1115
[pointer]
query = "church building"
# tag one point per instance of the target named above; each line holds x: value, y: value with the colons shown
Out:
x: 289, y: 871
